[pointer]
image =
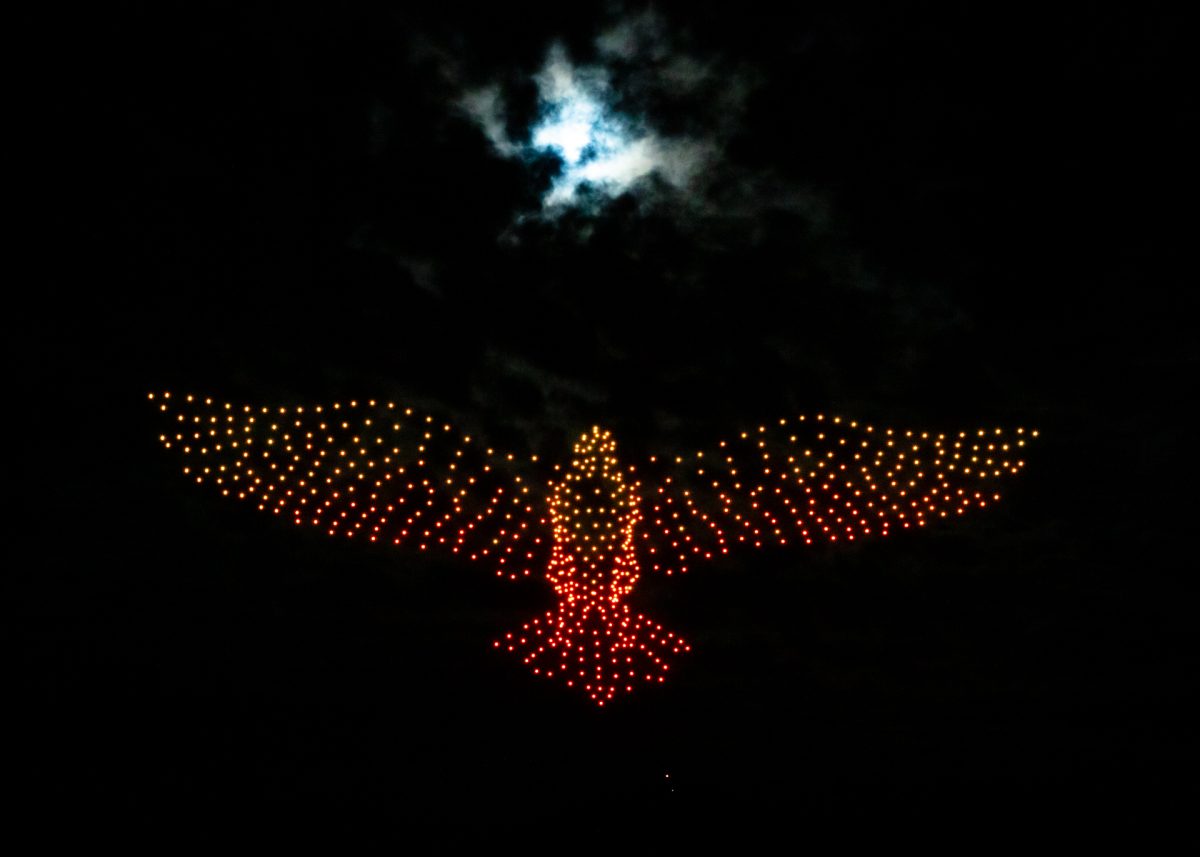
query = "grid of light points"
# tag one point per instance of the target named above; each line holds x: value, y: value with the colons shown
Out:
x: 378, y: 471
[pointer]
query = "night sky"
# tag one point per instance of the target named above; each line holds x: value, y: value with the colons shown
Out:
x: 917, y: 217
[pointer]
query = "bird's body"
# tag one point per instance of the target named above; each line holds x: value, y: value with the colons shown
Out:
x: 372, y: 470
x: 593, y: 638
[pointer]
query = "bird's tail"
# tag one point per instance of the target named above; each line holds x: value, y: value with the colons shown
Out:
x: 598, y: 647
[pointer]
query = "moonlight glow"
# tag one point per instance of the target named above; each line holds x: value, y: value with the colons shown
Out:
x: 374, y: 471
x: 598, y: 146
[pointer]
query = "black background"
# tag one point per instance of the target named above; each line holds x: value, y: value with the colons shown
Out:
x: 223, y: 195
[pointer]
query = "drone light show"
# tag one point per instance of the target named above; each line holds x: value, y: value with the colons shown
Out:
x: 625, y: 426
x: 591, y: 523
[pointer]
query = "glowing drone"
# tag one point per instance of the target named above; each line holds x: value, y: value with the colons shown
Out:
x: 377, y: 471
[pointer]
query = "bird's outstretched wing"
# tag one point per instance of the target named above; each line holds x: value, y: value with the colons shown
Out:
x: 366, y: 469
x: 817, y: 478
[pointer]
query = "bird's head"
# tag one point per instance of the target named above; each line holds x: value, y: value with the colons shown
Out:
x: 593, y: 502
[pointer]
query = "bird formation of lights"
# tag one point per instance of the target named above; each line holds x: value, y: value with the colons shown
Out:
x: 380, y: 472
